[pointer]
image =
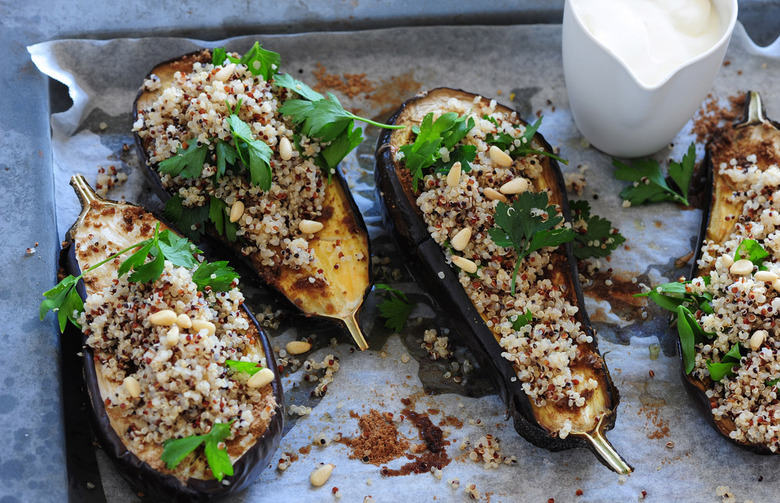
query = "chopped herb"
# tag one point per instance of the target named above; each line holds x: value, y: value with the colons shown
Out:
x: 446, y: 131
x: 595, y: 236
x: 324, y: 118
x: 250, y: 368
x: 175, y: 450
x: 187, y: 162
x: 218, y: 56
x: 226, y: 156
x: 254, y: 154
x: 522, y: 320
x: 189, y: 220
x: 527, y: 226
x: 725, y: 368
x: 772, y: 382
x: 261, y: 62
x: 218, y: 275
x: 752, y: 250
x: 219, y: 214
x: 395, y: 307
x: 649, y: 184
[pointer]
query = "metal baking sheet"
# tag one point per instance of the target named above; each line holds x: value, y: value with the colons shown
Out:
x: 658, y: 431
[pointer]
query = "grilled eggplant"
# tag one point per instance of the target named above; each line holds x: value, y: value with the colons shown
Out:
x: 103, y: 228
x: 552, y: 425
x: 335, y: 283
x: 739, y: 210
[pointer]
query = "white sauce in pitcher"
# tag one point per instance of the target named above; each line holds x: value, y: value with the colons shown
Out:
x: 652, y: 37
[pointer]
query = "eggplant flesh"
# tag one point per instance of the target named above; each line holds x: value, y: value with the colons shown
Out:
x: 538, y: 424
x: 753, y: 141
x: 105, y: 227
x: 341, y: 248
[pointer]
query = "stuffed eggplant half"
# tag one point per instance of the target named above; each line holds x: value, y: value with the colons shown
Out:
x: 184, y: 395
x: 476, y: 198
x: 251, y: 156
x: 727, y: 313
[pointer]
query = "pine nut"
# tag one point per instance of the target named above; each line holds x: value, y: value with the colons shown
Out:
x: 321, y: 474
x: 499, y: 157
x: 172, y: 337
x: 758, y: 338
x: 776, y: 285
x: 297, y: 347
x: 225, y: 73
x: 310, y: 226
x: 766, y: 276
x: 494, y: 195
x: 514, y: 186
x: 741, y: 267
x: 236, y: 211
x: 727, y: 260
x: 164, y: 318
x: 453, y: 177
x: 184, y: 321
x: 285, y: 149
x: 198, y: 325
x: 260, y: 379
x: 461, y: 239
x: 465, y: 264
x: 131, y: 385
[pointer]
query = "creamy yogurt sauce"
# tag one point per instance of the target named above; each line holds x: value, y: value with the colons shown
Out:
x: 652, y: 37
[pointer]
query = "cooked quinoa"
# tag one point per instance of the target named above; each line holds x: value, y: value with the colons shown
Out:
x: 172, y: 381
x: 542, y: 352
x: 194, y: 108
x: 746, y: 304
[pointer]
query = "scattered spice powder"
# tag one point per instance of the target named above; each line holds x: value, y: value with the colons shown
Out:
x: 349, y: 84
x: 379, y: 440
x: 711, y: 114
x: 436, y: 456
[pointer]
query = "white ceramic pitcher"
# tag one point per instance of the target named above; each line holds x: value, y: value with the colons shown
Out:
x: 616, y: 112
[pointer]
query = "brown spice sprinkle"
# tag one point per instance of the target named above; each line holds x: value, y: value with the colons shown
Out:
x: 349, y: 84
x: 711, y: 114
x: 435, y: 457
x: 379, y: 440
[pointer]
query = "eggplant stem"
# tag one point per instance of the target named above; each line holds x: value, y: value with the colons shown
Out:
x: 604, y: 449
x: 755, y: 111
x: 354, y: 330
x: 84, y: 191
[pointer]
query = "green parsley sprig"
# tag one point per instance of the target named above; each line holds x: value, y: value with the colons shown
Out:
x: 595, y: 236
x: 446, y: 131
x: 649, y: 183
x: 250, y: 368
x: 259, y: 61
x: 528, y: 225
x: 175, y: 450
x: 325, y: 119
x: 65, y: 300
x: 522, y: 320
x: 395, y: 308
x: 726, y: 365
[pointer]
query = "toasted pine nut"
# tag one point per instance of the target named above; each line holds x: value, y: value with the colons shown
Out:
x: 184, y: 321
x: 776, y: 285
x: 321, y: 474
x: 297, y: 347
x: 499, y: 157
x: 726, y: 260
x: 260, y: 379
x: 494, y: 195
x: 461, y: 239
x: 225, y: 73
x: 465, y: 264
x: 198, y: 325
x: 310, y: 226
x: 132, y: 386
x: 767, y: 276
x: 164, y: 318
x: 236, y: 211
x: 453, y: 177
x: 758, y: 338
x: 741, y: 267
x: 172, y: 337
x: 285, y: 149
x: 514, y: 186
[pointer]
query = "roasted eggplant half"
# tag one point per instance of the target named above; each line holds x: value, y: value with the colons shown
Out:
x: 523, y: 320
x: 152, y: 381
x: 217, y: 148
x: 727, y: 314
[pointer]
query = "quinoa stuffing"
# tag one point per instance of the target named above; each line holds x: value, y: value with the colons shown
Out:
x: 459, y: 207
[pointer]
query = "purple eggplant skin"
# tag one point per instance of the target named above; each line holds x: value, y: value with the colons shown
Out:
x: 728, y: 140
x: 142, y: 477
x: 427, y: 261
